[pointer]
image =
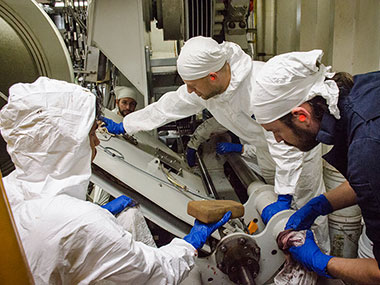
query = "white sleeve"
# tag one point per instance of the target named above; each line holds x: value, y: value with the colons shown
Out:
x: 289, y: 163
x: 112, y: 254
x: 204, y: 131
x: 249, y: 150
x: 170, y: 107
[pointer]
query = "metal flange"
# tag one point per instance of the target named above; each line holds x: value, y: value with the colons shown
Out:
x: 238, y: 256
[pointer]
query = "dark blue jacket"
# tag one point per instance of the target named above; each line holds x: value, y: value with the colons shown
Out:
x: 356, y: 151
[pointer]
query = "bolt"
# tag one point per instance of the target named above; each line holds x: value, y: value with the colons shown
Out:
x: 249, y: 261
x: 223, y: 248
x: 242, y: 25
x: 257, y: 250
x: 233, y: 269
x: 254, y: 274
x: 242, y: 241
x: 220, y: 266
x: 231, y: 25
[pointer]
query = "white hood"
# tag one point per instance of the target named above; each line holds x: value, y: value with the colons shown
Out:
x: 200, y: 56
x: 240, y: 65
x: 290, y: 79
x: 46, y: 125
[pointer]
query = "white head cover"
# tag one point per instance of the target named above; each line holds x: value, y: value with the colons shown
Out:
x: 46, y: 125
x: 288, y: 80
x: 200, y: 56
x: 125, y: 92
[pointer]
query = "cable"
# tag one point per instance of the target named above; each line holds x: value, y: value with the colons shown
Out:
x: 179, y: 186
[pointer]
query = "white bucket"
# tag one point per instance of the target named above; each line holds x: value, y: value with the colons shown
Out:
x: 344, y: 235
x: 345, y: 224
x: 333, y: 179
x: 365, y: 246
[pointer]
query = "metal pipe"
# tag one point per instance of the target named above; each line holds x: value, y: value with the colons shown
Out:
x: 102, y: 67
x: 260, y: 26
x: 206, y: 179
x: 251, y: 32
x: 246, y: 277
x: 242, y: 170
x: 149, y: 75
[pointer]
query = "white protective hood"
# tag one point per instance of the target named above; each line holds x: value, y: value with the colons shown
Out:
x: 46, y: 125
x: 68, y: 240
x: 125, y: 92
x: 200, y: 56
x: 240, y: 66
x: 288, y: 80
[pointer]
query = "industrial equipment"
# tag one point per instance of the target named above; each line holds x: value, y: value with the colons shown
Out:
x: 130, y: 45
x: 141, y: 166
x: 116, y: 44
x: 159, y: 179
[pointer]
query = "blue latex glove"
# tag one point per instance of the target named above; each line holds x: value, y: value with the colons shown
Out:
x: 119, y: 204
x: 283, y: 203
x: 200, y: 232
x: 305, y: 217
x: 112, y: 127
x: 223, y: 148
x: 190, y: 156
x: 310, y: 256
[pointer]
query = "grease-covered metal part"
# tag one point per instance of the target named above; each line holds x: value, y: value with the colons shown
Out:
x: 130, y: 139
x: 238, y: 256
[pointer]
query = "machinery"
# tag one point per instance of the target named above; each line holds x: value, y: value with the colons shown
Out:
x: 141, y: 166
x: 158, y: 178
x: 31, y: 45
x: 148, y: 171
x: 120, y: 36
x: 131, y: 44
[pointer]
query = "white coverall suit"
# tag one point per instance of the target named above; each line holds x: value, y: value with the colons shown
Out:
x: 66, y: 239
x: 295, y: 172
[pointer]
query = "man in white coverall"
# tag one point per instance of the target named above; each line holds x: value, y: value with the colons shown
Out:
x: 220, y: 78
x: 303, y: 104
x: 49, y: 127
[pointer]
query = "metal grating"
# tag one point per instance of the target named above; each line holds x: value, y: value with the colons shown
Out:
x: 199, y: 16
